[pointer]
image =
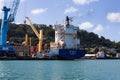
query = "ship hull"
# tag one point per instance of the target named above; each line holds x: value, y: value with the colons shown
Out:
x: 71, y: 53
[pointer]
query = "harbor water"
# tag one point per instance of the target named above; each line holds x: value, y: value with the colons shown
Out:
x: 60, y: 70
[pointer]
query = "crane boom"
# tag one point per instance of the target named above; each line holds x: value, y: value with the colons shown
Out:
x: 39, y: 35
x: 33, y: 27
x: 13, y: 10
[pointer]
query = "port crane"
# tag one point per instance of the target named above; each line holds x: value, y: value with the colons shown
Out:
x: 38, y: 34
x: 7, y: 19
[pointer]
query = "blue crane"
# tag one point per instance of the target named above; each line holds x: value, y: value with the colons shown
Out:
x: 4, y: 48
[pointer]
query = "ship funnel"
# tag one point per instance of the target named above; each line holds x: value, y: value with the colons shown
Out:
x: 67, y: 21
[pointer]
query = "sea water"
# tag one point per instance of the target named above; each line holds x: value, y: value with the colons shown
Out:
x: 60, y: 70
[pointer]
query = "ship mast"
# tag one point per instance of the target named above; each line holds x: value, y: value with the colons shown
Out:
x: 67, y: 21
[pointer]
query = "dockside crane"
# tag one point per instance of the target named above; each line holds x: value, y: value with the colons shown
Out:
x: 38, y: 34
x: 7, y: 19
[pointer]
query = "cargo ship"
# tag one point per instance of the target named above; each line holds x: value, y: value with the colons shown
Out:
x: 67, y: 44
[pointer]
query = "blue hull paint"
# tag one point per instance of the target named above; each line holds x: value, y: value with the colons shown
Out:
x: 6, y: 49
x: 71, y: 53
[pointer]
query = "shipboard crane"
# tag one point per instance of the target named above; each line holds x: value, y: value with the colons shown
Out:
x: 7, y: 19
x: 38, y: 34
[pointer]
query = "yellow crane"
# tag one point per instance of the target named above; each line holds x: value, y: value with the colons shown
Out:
x: 26, y: 40
x: 38, y: 34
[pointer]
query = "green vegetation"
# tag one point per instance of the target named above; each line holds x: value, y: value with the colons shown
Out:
x: 17, y: 33
x: 88, y: 40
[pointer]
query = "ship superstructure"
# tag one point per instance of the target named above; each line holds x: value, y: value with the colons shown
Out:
x: 67, y: 43
x: 66, y: 36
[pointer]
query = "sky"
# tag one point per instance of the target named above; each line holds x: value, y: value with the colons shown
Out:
x: 99, y: 16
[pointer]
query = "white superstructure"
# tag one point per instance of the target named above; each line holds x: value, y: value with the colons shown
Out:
x: 66, y: 36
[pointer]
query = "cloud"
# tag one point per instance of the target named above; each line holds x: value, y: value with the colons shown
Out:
x: 86, y: 25
x: 1, y: 6
x: 70, y: 10
x: 0, y: 11
x: 22, y: 0
x: 83, y: 2
x: 113, y: 17
x: 119, y: 33
x: 98, y: 29
x: 39, y: 11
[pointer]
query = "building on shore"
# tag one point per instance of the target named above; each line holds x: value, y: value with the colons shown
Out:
x: 101, y: 54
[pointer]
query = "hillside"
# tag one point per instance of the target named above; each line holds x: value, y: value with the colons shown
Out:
x: 17, y: 33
